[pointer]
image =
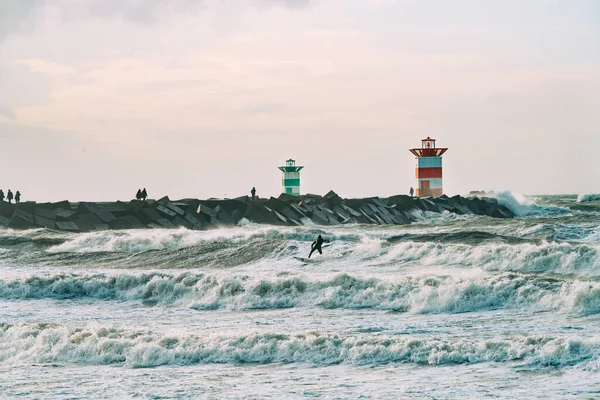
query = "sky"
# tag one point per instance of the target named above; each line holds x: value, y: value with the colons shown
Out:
x: 206, y: 98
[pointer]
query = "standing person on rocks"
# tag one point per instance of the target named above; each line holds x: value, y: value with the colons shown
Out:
x: 1, y: 195
x: 144, y: 194
x: 18, y: 197
x: 9, y: 196
x: 138, y: 195
x: 253, y: 192
x: 411, y: 192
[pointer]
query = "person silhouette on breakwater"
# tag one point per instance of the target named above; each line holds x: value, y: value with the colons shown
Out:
x: 316, y: 245
x: 18, y: 197
x: 411, y: 192
x: 138, y: 195
x: 9, y: 196
x: 253, y: 192
x: 1, y: 195
x: 144, y: 194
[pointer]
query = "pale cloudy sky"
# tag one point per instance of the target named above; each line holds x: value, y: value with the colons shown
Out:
x: 205, y: 98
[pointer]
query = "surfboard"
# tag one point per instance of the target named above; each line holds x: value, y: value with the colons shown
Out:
x: 304, y: 260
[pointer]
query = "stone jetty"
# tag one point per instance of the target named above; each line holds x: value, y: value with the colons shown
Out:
x: 197, y: 214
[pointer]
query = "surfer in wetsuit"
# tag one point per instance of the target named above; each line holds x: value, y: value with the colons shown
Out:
x: 316, y: 245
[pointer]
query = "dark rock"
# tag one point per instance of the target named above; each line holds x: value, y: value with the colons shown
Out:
x: 45, y: 212
x: 45, y: 222
x: 182, y: 223
x: 62, y: 214
x: 7, y: 210
x: 19, y: 222
x: 25, y: 216
x: 165, y: 211
x: 206, y: 210
x: 67, y: 226
x: 61, y: 204
x: 287, y: 198
x: 28, y: 206
x: 502, y: 212
x: 193, y: 220
x: 126, y: 222
x: 151, y: 217
x: 163, y: 200
x: 135, y: 206
x: 4, y: 221
x: 176, y: 209
x: 88, y: 222
x: 117, y: 209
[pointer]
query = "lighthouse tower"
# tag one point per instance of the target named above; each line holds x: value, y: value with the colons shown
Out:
x: 429, y: 168
x: 291, y: 177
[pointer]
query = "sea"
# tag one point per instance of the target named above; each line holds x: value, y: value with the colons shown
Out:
x: 450, y: 307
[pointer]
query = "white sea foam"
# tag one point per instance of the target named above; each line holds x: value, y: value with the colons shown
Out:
x: 104, y: 345
x: 422, y: 295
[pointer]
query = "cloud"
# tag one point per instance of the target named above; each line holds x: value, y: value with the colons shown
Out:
x: 7, y: 112
x: 46, y: 67
x: 18, y: 15
x: 14, y: 15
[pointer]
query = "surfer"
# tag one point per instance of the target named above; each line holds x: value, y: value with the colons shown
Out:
x: 316, y: 245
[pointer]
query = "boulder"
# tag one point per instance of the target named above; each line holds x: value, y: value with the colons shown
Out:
x: 135, y: 206
x: 166, y: 212
x: 163, y: 200
x: 62, y: 214
x: 67, y: 226
x: 318, y: 217
x: 19, y: 222
x: 28, y: 206
x: 7, y: 210
x: 44, y: 212
x: 194, y: 220
x: 88, y: 222
x: 61, y: 204
x: 4, y: 221
x: 176, y: 208
x: 45, y: 222
x: 182, y: 223
x: 203, y: 209
x: 117, y: 209
x: 126, y: 222
x: 25, y: 216
x: 288, y: 198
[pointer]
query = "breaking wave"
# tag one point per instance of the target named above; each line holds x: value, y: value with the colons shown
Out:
x: 239, y: 292
x: 522, y: 206
x: 582, y: 198
x: 55, y: 343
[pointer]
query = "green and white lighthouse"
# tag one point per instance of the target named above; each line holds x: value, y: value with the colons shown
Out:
x: 291, y: 177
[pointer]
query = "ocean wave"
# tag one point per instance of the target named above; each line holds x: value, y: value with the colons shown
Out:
x: 582, y: 198
x: 139, y: 241
x: 239, y: 292
x: 48, y: 343
x: 523, y: 206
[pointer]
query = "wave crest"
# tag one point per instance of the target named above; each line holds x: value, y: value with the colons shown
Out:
x: 417, y: 295
x: 54, y: 343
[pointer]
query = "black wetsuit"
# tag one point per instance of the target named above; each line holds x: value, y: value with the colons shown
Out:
x: 316, y: 245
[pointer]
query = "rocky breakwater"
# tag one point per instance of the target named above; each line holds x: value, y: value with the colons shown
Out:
x: 330, y: 209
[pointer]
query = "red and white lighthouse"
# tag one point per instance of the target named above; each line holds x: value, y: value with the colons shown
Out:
x: 429, y: 168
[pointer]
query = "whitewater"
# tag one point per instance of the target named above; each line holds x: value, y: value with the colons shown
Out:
x: 451, y: 307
